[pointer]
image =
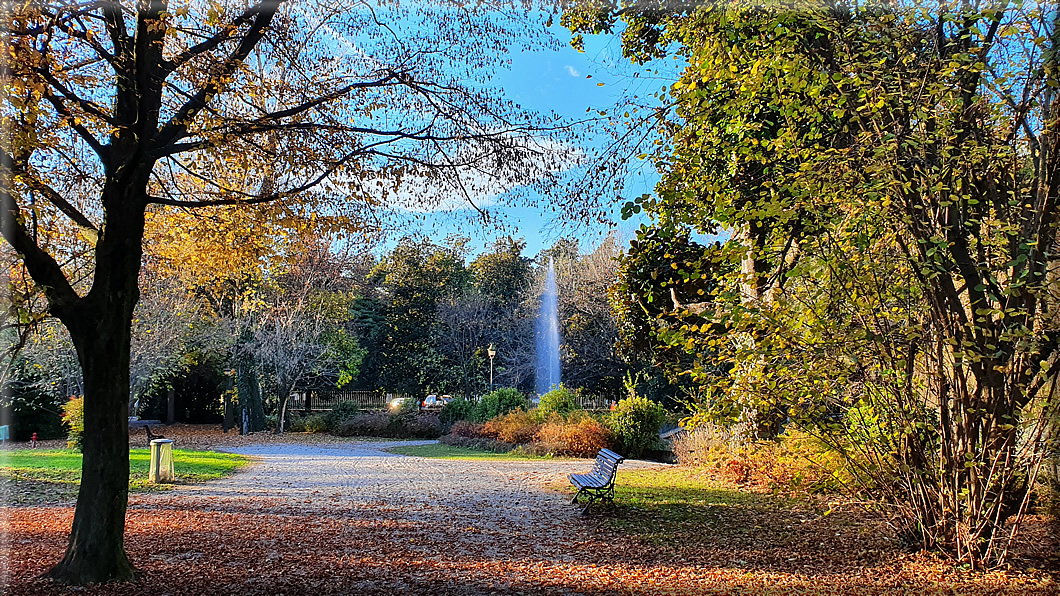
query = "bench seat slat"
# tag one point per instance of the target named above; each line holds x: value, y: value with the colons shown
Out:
x: 590, y: 481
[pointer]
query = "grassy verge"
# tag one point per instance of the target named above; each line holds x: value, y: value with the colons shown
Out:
x: 681, y: 504
x: 34, y: 476
x: 440, y: 451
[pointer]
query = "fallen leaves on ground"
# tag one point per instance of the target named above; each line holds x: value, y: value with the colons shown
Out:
x: 183, y: 550
x: 275, y: 544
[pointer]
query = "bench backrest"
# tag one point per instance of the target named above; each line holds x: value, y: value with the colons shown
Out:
x: 607, y: 464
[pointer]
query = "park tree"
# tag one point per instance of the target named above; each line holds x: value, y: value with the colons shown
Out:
x: 663, y: 279
x: 587, y: 324
x: 502, y: 279
x: 167, y: 325
x: 503, y: 274
x: 304, y: 331
x: 464, y: 328
x: 411, y: 282
x: 649, y: 289
x: 889, y: 177
x: 226, y: 259
x: 112, y: 109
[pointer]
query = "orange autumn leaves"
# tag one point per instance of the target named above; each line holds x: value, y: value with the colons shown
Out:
x: 230, y: 250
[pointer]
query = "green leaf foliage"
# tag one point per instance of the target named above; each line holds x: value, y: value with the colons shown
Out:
x: 457, y: 409
x: 890, y: 278
x: 635, y: 422
x: 499, y: 403
x: 74, y: 419
x: 560, y: 401
x: 341, y: 412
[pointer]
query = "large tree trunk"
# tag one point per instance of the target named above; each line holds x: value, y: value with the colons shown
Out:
x: 96, y: 551
x: 229, y: 404
x: 100, y: 326
x: 249, y: 393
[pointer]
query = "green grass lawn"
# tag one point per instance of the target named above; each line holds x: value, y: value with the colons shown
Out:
x: 440, y: 451
x: 43, y: 475
x: 659, y: 504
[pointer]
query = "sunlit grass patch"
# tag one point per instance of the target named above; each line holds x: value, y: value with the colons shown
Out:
x: 440, y: 451
x: 41, y: 475
x: 658, y: 504
x: 191, y: 466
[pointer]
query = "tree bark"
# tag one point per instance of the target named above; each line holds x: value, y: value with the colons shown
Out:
x: 96, y: 550
x: 249, y: 392
x: 100, y: 326
x: 171, y: 407
x: 229, y: 404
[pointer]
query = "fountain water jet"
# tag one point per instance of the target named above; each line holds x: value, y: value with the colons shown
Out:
x: 547, y: 335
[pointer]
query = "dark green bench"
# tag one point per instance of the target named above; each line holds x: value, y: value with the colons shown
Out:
x: 599, y: 483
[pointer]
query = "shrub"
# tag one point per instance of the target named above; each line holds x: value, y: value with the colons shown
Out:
x: 795, y: 463
x: 635, y: 422
x: 583, y: 437
x: 370, y: 424
x: 344, y: 410
x: 498, y: 403
x: 517, y: 426
x: 705, y: 443
x: 422, y: 426
x: 32, y: 409
x: 560, y: 401
x: 477, y: 443
x: 381, y: 424
x: 457, y: 409
x: 466, y: 429
x: 74, y: 419
x: 296, y: 424
x: 317, y: 423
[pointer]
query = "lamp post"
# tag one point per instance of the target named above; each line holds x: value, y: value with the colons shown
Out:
x: 492, y: 351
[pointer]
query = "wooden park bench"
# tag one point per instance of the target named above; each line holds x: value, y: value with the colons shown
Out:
x: 599, y: 483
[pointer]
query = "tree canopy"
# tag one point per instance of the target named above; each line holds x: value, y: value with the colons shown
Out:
x: 888, y: 178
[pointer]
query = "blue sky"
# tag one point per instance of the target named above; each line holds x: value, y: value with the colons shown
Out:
x: 567, y: 82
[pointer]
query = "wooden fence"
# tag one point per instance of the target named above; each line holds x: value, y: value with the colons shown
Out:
x: 311, y: 401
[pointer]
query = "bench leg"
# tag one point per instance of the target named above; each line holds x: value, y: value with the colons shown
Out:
x: 607, y: 496
x: 593, y: 497
x: 576, y: 495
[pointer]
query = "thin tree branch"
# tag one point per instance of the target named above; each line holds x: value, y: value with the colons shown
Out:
x: 177, y: 127
x: 42, y: 266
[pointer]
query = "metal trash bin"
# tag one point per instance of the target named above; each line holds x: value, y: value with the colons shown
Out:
x: 162, y: 469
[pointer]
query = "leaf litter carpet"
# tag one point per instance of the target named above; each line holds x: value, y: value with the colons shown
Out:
x: 349, y: 518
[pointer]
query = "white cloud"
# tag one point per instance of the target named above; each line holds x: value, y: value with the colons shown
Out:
x: 473, y: 186
x: 572, y: 71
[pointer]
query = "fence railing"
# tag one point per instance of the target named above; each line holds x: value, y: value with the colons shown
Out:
x: 311, y: 401
x: 594, y: 402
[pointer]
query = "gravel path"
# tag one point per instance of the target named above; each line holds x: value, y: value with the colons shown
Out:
x: 363, y: 476
x: 513, y: 505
